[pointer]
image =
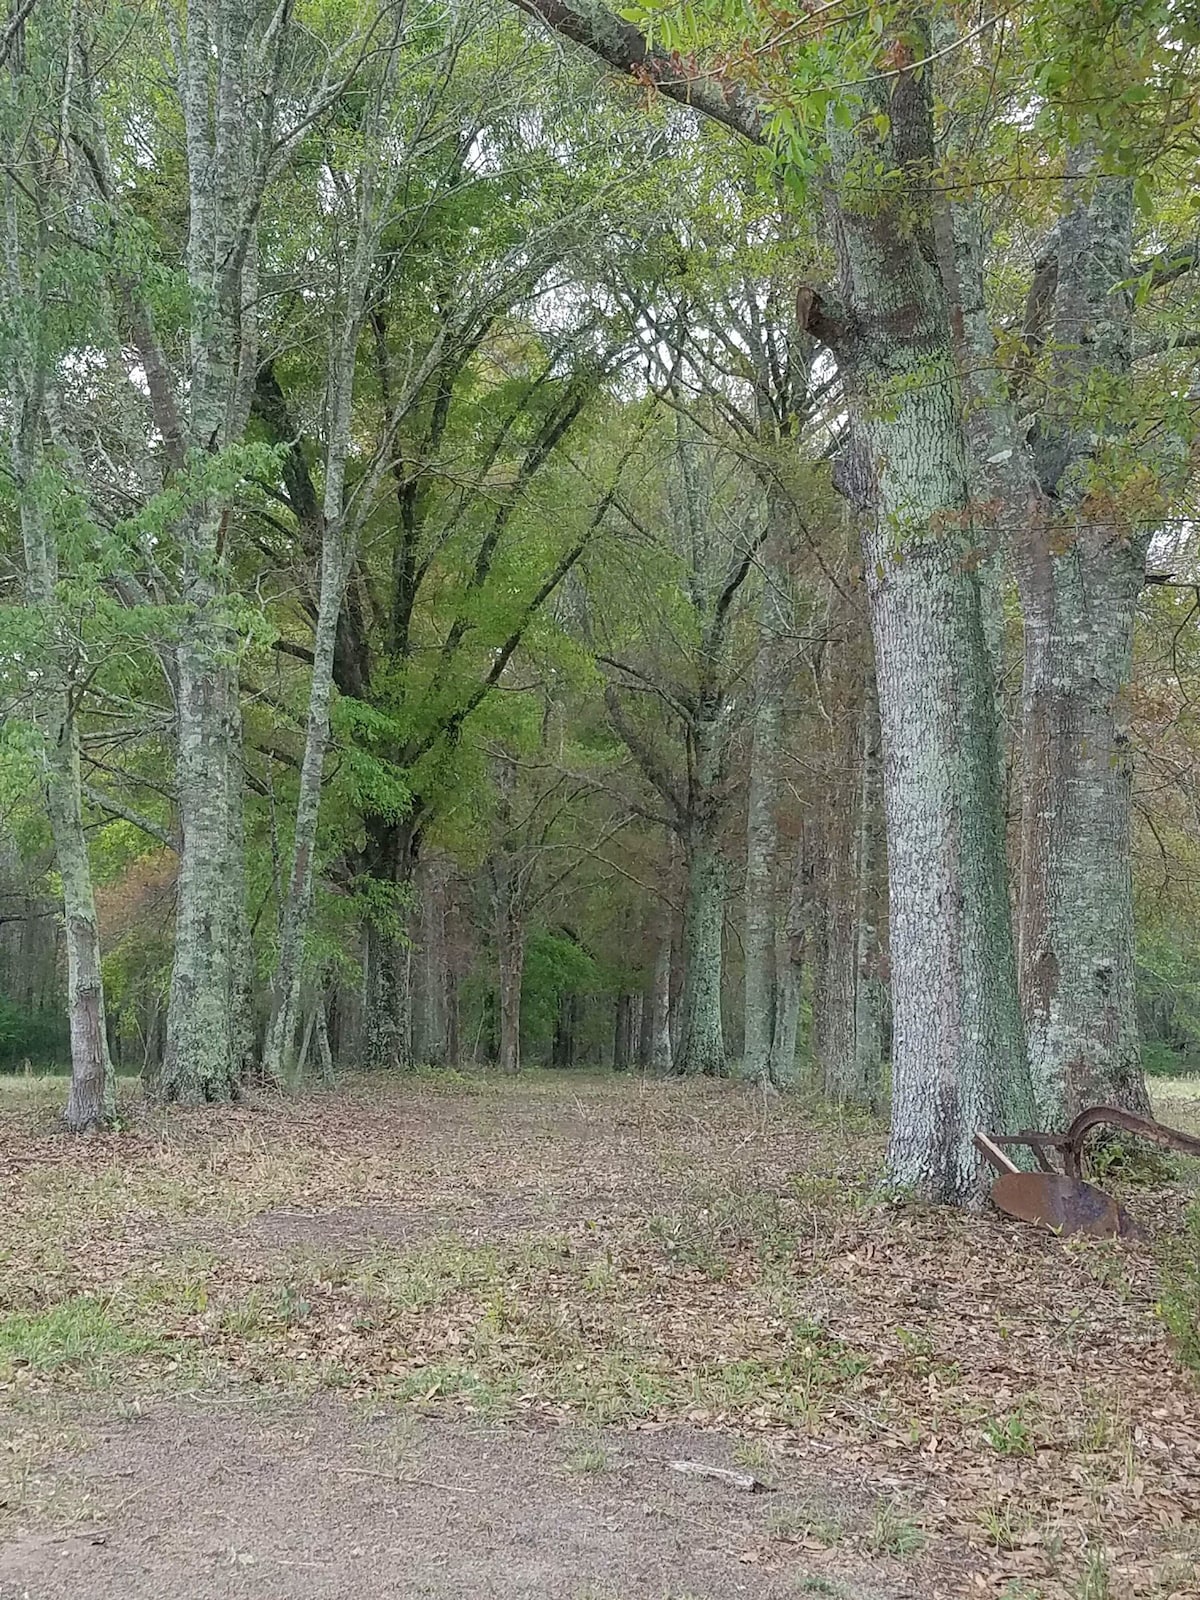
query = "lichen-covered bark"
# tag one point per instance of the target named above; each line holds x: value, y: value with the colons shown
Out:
x: 958, y: 1048
x: 1080, y: 567
x: 702, y: 1041
x: 199, y: 1062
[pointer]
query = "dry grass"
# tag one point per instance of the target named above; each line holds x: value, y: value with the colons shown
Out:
x: 600, y: 1252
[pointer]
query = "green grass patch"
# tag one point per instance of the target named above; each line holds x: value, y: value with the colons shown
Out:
x: 80, y: 1333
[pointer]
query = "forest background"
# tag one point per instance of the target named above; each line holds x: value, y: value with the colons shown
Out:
x: 696, y: 574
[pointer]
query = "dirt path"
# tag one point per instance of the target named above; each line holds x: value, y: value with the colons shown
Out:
x: 316, y: 1502
x: 399, y: 1341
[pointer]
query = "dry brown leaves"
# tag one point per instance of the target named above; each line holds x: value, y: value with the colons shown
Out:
x: 640, y: 1254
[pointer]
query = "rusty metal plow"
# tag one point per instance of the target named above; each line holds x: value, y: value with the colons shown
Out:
x: 1063, y: 1201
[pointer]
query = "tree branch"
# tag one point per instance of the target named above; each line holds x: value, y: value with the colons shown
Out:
x: 128, y: 814
x: 624, y: 47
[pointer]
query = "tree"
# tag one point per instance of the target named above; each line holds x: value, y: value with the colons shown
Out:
x: 31, y: 350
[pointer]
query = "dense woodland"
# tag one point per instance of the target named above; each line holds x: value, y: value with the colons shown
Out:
x: 659, y: 539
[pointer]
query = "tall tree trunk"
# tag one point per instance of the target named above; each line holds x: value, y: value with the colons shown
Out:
x: 762, y: 829
x: 453, y: 1046
x: 958, y: 1047
x: 198, y: 1064
x: 338, y: 545
x: 702, y: 1040
x: 287, y: 981
x: 1080, y: 573
x: 91, y: 1102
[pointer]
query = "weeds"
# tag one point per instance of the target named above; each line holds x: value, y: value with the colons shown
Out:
x: 894, y: 1533
x: 1009, y: 1436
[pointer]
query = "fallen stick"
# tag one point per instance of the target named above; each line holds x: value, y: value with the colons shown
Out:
x: 745, y: 1481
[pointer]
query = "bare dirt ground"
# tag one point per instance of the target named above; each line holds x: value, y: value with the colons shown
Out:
x: 422, y: 1339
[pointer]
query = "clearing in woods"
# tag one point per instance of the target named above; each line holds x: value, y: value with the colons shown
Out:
x: 444, y: 1337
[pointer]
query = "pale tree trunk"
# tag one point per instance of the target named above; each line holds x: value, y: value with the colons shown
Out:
x: 198, y: 1064
x: 958, y: 1048
x: 701, y: 1039
x: 227, y: 133
x: 762, y: 829
x: 659, y: 1058
x: 848, y: 1021
x: 324, y: 1048
x: 279, y: 1055
x: 91, y: 1102
x: 338, y: 545
x: 1080, y: 573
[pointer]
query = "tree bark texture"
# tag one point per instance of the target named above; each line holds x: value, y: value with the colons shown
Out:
x: 702, y: 1041
x: 793, y: 943
x: 762, y: 828
x: 958, y: 1048
x: 1080, y: 570
x: 510, y: 953
x: 199, y: 1062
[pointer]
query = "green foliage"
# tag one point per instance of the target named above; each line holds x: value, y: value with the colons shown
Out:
x: 39, y: 1037
x: 555, y: 968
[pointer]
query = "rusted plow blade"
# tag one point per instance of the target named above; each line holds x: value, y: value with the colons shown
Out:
x: 1062, y: 1200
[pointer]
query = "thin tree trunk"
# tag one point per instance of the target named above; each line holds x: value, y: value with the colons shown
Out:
x: 453, y: 1047
x: 790, y: 953
x: 863, y: 1085
x: 702, y: 1041
x: 762, y: 828
x: 324, y: 1048
x: 510, y: 950
x: 287, y: 981
x: 242, y: 1011
x: 660, y: 1058
x: 91, y: 1102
